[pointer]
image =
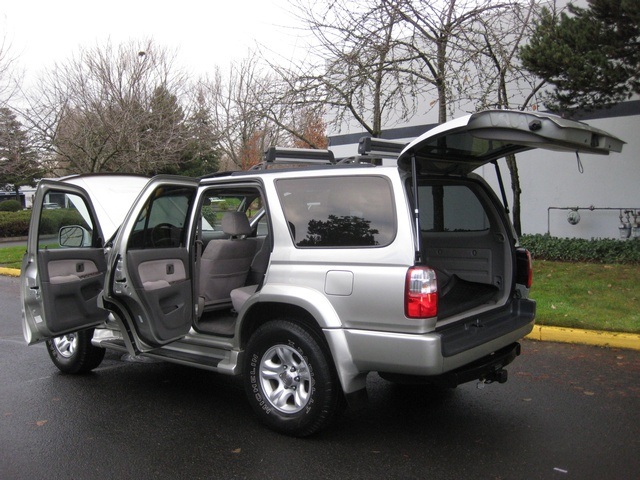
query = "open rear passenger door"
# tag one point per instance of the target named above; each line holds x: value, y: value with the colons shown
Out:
x: 150, y: 269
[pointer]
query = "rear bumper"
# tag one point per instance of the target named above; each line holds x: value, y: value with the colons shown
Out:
x: 444, y: 350
x: 463, y: 351
x: 486, y: 368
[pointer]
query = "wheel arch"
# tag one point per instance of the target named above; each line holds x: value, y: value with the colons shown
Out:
x: 332, y: 340
x: 262, y: 312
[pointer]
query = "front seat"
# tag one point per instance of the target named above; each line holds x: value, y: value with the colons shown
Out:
x: 225, y: 263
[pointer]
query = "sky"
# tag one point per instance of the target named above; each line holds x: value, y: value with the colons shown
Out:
x: 204, y: 33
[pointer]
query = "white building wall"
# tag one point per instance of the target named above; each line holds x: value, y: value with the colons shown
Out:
x: 551, y: 180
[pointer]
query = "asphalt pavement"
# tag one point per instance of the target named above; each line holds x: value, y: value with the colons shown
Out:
x: 567, y: 411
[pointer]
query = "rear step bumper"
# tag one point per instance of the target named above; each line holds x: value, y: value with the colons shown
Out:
x: 479, y: 330
x: 487, y: 369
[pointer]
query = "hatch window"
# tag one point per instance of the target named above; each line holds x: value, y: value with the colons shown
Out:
x: 451, y: 208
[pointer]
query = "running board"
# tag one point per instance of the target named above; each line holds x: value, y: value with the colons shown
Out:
x: 207, y: 358
x: 185, y: 358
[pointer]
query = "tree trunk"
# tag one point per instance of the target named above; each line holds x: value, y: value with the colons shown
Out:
x: 515, y: 187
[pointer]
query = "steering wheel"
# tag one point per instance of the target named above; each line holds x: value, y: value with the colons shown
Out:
x: 162, y: 235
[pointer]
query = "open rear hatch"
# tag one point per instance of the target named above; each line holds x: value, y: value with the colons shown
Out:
x: 461, y: 230
x: 462, y: 145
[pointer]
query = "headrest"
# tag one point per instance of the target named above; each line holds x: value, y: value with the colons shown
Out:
x: 235, y: 223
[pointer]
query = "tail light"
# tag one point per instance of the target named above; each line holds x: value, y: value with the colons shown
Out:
x: 524, y: 268
x: 421, y: 293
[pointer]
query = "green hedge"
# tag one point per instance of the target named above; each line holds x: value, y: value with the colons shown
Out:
x: 10, y: 206
x: 545, y: 247
x: 16, y: 224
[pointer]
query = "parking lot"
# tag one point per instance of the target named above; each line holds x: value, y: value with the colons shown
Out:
x: 566, y: 412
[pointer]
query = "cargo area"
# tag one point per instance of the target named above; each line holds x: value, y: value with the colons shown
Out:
x: 465, y: 241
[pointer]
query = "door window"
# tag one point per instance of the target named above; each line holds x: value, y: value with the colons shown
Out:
x: 217, y: 202
x: 66, y: 222
x: 161, y: 223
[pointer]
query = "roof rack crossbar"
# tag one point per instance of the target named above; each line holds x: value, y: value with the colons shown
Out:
x: 380, y: 147
x: 298, y: 156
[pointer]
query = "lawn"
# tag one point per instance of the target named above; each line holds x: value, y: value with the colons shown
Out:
x: 578, y: 295
x: 587, y: 295
x: 11, y: 257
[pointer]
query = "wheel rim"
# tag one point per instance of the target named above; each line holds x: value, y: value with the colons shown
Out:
x: 66, y: 345
x: 285, y: 379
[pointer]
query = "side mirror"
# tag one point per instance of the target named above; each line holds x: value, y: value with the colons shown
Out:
x: 74, y: 236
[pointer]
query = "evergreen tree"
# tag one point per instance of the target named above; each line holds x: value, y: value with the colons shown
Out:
x: 18, y: 165
x: 201, y: 154
x: 590, y: 55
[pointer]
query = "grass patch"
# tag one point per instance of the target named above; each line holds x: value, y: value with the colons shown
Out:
x: 11, y: 257
x: 587, y: 295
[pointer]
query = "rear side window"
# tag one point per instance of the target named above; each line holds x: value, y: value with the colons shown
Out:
x: 451, y: 208
x: 338, y: 211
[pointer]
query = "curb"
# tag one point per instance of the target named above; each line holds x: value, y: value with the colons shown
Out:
x: 539, y: 333
x: 585, y: 337
x: 9, y: 272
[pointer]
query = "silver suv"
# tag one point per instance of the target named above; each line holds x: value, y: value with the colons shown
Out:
x: 302, y: 280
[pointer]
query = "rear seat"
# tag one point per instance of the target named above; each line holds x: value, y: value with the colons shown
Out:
x: 256, y: 275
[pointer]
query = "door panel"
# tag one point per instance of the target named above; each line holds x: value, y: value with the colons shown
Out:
x: 151, y: 276
x: 64, y: 268
x: 71, y: 281
x: 159, y: 279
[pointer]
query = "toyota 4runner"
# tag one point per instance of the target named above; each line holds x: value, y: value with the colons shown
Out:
x: 301, y: 279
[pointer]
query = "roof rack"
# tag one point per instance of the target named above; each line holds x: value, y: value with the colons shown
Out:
x: 296, y: 156
x: 375, y: 150
x: 380, y: 148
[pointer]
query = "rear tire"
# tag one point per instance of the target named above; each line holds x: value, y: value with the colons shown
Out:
x: 74, y: 353
x: 290, y: 380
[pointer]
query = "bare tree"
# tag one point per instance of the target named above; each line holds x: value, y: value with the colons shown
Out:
x: 247, y: 111
x: 377, y: 60
x: 354, y: 73
x: 112, y: 109
x: 437, y: 42
x: 9, y: 73
x: 502, y: 82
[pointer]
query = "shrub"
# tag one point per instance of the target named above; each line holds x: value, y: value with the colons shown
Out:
x: 545, y: 247
x: 52, y: 220
x: 15, y: 224
x: 10, y: 206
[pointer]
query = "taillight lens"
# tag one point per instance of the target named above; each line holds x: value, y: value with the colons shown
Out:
x: 421, y: 293
x: 524, y: 267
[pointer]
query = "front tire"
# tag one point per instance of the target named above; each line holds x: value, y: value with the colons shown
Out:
x: 74, y: 353
x: 290, y: 380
